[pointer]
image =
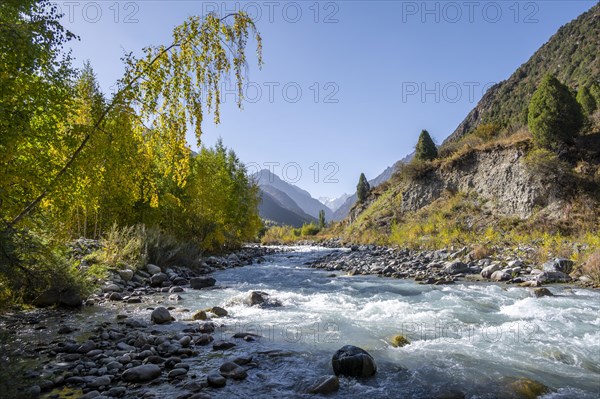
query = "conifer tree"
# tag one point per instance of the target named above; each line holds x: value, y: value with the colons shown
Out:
x: 426, y: 149
x: 363, y: 188
x: 554, y: 116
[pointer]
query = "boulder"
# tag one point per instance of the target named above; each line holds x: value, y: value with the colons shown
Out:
x: 262, y: 299
x: 218, y: 311
x: 157, y: 279
x: 177, y: 373
x: 500, y: 275
x: 489, y: 270
x: 143, y: 373
x: 160, y: 315
x: 398, y: 341
x: 199, y: 315
x: 232, y: 370
x: 115, y: 296
x: 126, y: 274
x: 352, y: 361
x: 111, y: 288
x: 552, y: 277
x: 153, y: 269
x: 456, y: 268
x: 559, y: 265
x: 325, y: 385
x: 540, y: 292
x: 99, y: 382
x: 222, y: 345
x: 198, y: 283
x: 528, y: 389
x: 216, y: 381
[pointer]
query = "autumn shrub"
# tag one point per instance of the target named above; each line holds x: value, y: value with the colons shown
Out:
x: 545, y: 163
x: 591, y: 267
x: 414, y: 170
x: 481, y: 252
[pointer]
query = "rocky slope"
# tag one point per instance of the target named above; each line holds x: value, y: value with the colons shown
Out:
x: 571, y: 54
x: 496, y: 175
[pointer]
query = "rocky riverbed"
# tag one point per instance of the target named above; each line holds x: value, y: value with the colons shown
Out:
x: 448, y: 266
x: 270, y: 329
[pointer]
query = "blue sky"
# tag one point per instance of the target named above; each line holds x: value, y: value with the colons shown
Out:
x: 347, y: 86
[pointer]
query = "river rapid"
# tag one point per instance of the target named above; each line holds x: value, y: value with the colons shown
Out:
x: 468, y: 339
x: 474, y: 338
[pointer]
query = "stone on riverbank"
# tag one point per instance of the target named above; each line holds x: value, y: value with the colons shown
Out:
x: 558, y: 265
x: 198, y: 283
x: 143, y: 373
x: 160, y: 315
x: 216, y: 381
x: 352, y: 361
x: 153, y: 269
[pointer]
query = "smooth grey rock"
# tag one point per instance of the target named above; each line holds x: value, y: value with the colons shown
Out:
x: 198, y: 283
x: 111, y: 288
x: 153, y: 269
x: 559, y: 265
x: 177, y: 373
x: 325, y: 385
x: 216, y: 381
x: 157, y: 279
x: 352, y: 361
x: 489, y: 270
x: 160, y: 315
x: 540, y: 292
x: 100, y: 382
x: 232, y: 370
x: 456, y: 268
x: 500, y: 275
x: 143, y: 373
x: 126, y: 274
x: 553, y: 277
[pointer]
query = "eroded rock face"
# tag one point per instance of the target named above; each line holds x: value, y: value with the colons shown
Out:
x: 496, y: 175
x: 352, y: 361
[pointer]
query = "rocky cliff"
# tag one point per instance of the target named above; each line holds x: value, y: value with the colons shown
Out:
x: 496, y: 175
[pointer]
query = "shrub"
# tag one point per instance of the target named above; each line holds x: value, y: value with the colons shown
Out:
x: 591, y: 267
x: 554, y: 116
x: 542, y: 162
x: 414, y: 170
x: 586, y: 100
x: 481, y: 252
x: 123, y: 247
x: 310, y: 229
x: 32, y: 263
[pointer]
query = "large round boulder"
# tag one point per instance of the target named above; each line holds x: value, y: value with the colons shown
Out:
x: 160, y: 315
x: 143, y: 373
x: 198, y: 283
x: 352, y: 361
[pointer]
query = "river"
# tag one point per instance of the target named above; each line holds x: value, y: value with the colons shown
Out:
x: 474, y: 338
x: 471, y: 340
